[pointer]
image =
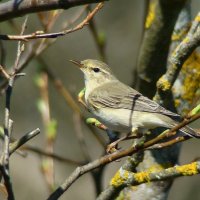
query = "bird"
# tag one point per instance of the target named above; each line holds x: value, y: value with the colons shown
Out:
x: 121, y: 108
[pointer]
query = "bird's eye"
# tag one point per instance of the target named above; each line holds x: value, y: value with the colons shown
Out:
x: 96, y: 69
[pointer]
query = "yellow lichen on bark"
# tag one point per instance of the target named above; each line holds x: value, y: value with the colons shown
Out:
x: 177, y: 102
x: 142, y: 177
x: 197, y: 18
x: 179, y: 34
x: 163, y: 84
x: 186, y: 40
x: 188, y: 170
x: 191, y: 73
x: 120, y: 177
x: 151, y: 14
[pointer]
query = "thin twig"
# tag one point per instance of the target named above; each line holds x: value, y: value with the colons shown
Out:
x: 49, y: 127
x: 18, y: 143
x: 4, y: 160
x: 51, y: 155
x: 171, y: 132
x: 2, y: 53
x: 20, y: 47
x: 12, y: 9
x: 4, y: 73
x: 169, y: 143
x: 39, y: 34
x: 99, y: 40
x: 34, y: 49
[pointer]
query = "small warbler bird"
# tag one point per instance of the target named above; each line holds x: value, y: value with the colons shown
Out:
x: 120, y: 107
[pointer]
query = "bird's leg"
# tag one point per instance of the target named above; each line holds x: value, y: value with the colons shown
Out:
x: 80, y: 97
x: 96, y: 123
x: 135, y: 133
x: 132, y: 135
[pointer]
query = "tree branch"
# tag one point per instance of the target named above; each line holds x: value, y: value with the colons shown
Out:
x: 179, y: 56
x: 159, y: 25
x: 39, y: 34
x: 154, y: 174
x: 13, y: 8
x: 18, y: 143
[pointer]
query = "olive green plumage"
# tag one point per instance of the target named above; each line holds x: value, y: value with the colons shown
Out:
x: 120, y: 107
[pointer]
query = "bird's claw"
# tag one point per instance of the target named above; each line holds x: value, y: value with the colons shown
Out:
x: 112, y: 147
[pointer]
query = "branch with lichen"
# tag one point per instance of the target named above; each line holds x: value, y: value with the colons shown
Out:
x: 157, y: 173
x: 152, y: 63
x: 159, y: 25
x: 186, y: 87
x: 178, y: 57
x: 130, y: 165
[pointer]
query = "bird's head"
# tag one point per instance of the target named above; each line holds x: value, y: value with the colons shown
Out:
x: 95, y: 72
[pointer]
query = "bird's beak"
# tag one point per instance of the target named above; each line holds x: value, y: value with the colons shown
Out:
x: 78, y: 63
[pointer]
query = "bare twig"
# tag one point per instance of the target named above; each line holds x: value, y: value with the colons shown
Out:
x: 171, y: 132
x: 4, y: 73
x: 4, y: 160
x: 99, y: 39
x: 35, y: 48
x: 13, y: 8
x: 39, y: 34
x: 50, y: 127
x: 74, y: 18
x: 51, y: 155
x: 169, y: 143
x: 2, y: 53
x: 20, y: 47
x: 18, y: 143
x: 112, y: 157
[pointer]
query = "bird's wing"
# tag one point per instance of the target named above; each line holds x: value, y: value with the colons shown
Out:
x: 118, y: 95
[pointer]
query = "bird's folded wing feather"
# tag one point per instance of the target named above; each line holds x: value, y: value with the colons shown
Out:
x: 118, y: 95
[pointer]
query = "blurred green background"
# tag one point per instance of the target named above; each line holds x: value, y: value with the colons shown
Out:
x: 121, y: 22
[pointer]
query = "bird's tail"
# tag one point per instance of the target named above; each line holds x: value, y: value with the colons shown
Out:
x: 189, y: 131
x: 186, y: 129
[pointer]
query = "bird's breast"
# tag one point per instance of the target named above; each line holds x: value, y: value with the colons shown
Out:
x: 116, y: 120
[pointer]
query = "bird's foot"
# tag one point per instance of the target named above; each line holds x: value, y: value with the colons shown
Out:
x: 113, y: 147
x: 134, y: 132
x: 96, y: 123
